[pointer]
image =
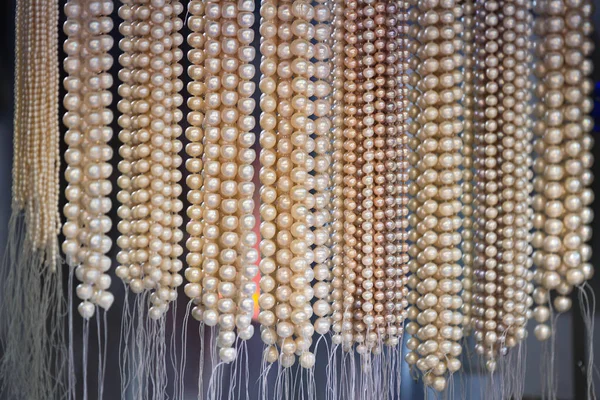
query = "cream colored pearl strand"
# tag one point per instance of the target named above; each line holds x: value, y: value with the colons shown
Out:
x: 301, y: 181
x: 398, y: 182
x: 467, y: 245
x: 322, y: 168
x: 150, y: 205
x: 337, y: 169
x: 195, y: 149
x: 126, y: 255
x: 88, y: 27
x: 36, y: 164
x: 435, y: 297
x: 562, y: 168
x: 269, y: 102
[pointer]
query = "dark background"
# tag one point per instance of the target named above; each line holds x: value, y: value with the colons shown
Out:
x: 570, y: 342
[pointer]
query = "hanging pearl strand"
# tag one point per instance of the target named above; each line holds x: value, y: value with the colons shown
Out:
x: 436, y: 300
x: 467, y: 245
x: 89, y: 159
x: 301, y: 181
x: 246, y: 263
x: 397, y: 268
x: 212, y: 199
x: 337, y: 170
x: 379, y: 32
x: 268, y: 176
x: 195, y: 149
x: 563, y: 144
x: 350, y: 192
x: 516, y: 95
x: 36, y: 165
x: 322, y: 166
x: 126, y: 255
x: 488, y: 181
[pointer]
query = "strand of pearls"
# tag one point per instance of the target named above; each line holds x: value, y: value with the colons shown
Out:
x: 503, y: 147
x: 150, y: 189
x: 351, y: 96
x: 467, y: 245
x: 563, y: 142
x: 195, y: 149
x: 397, y: 139
x: 300, y: 237
x: 36, y: 165
x: 435, y: 297
x: 363, y: 176
x: 87, y: 100
x: 487, y: 201
x: 269, y: 174
x: 323, y: 12
x: 337, y: 170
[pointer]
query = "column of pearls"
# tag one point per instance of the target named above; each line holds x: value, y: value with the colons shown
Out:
x: 211, y: 159
x: 467, y: 245
x: 36, y: 165
x: 128, y: 269
x: 562, y: 215
x: 397, y: 270
x: 150, y: 207
x: 337, y: 170
x: 349, y: 192
x: 488, y: 252
x: 516, y: 85
x: 88, y: 28
x: 435, y: 297
x: 380, y: 197
x: 246, y: 263
x: 168, y: 146
x: 322, y: 167
x: 269, y: 173
x: 195, y: 149
x: 300, y: 236
x: 359, y: 326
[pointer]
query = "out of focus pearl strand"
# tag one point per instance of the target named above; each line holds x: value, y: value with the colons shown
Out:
x: 467, y: 245
x: 435, y: 312
x: 563, y: 142
x: 88, y: 28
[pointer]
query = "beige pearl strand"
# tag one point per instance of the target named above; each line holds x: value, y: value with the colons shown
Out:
x: 88, y: 29
x: 467, y: 245
x: 269, y: 25
x: 36, y: 165
x: 435, y: 297
x: 195, y: 149
x: 503, y: 150
x: 337, y: 169
x: 322, y: 167
x: 562, y: 215
x: 150, y: 104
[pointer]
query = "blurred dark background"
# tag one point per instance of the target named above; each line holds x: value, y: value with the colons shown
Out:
x: 570, y: 352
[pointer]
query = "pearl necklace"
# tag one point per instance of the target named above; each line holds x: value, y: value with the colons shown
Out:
x: 88, y: 117
x: 149, y: 182
x: 563, y: 142
x: 435, y: 297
